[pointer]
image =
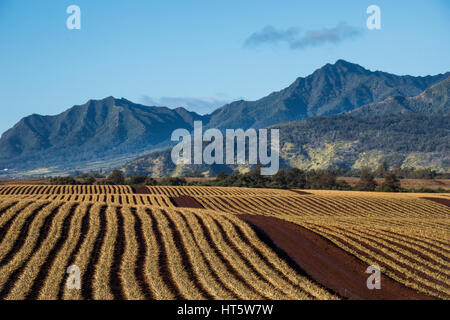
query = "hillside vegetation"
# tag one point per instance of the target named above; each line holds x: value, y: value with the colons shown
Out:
x: 341, y: 141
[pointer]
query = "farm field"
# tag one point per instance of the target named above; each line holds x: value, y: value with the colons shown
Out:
x: 405, y: 183
x: 221, y: 243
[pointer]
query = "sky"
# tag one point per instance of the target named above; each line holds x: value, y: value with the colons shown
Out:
x: 201, y: 54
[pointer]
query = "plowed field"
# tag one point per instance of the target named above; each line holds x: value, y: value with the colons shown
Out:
x: 220, y: 243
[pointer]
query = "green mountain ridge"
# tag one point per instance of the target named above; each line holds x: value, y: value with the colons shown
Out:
x: 98, y: 128
x: 332, y: 89
x: 418, y: 137
x: 434, y: 100
x: 107, y: 132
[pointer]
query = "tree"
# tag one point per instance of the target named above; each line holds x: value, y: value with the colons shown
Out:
x: 366, y: 181
x: 221, y: 175
x: 63, y: 181
x: 254, y: 178
x: 391, y: 183
x: 321, y: 180
x: 150, y: 181
x: 256, y: 172
x: 382, y: 170
x: 89, y: 180
x: 296, y: 178
x: 116, y: 177
x: 279, y: 178
x: 173, y: 181
x: 136, y: 180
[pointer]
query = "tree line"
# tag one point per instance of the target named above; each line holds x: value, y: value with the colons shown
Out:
x: 292, y: 178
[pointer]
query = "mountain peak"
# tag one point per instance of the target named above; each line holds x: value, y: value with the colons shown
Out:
x: 332, y: 89
x: 109, y: 98
x: 342, y: 62
x: 346, y: 66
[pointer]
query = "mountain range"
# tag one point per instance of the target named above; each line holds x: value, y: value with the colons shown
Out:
x: 332, y: 89
x: 112, y: 131
x: 403, y: 131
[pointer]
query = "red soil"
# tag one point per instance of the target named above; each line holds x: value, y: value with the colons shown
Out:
x: 300, y: 192
x: 327, y: 264
x: 186, y: 202
x: 439, y: 200
x: 140, y: 190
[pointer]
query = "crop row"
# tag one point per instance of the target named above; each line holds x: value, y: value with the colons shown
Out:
x: 138, y: 253
x: 403, y: 259
x: 118, y: 199
x: 321, y: 206
x: 63, y: 190
x: 173, y: 191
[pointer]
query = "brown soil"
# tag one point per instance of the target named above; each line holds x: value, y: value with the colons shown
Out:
x: 327, y: 264
x: 439, y: 200
x: 24, y: 181
x: 186, y: 202
x: 140, y: 190
x: 300, y: 192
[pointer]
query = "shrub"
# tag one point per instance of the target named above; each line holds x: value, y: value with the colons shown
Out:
x: 173, y: 181
x: 150, y: 182
x: 89, y: 180
x: 136, y: 180
x: 366, y: 181
x: 116, y: 177
x: 63, y: 181
x: 221, y: 176
x: 390, y: 184
x: 321, y: 180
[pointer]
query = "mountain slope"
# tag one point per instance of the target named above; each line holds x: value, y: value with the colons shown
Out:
x: 408, y: 132
x: 95, y: 129
x: 338, y: 141
x: 332, y: 89
x: 434, y: 100
x: 346, y: 141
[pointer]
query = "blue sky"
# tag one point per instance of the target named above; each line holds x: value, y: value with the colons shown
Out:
x: 196, y: 52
